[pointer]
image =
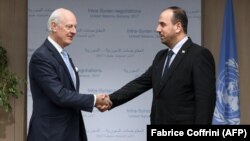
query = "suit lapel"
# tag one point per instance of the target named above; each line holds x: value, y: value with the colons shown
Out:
x: 59, y: 59
x: 161, y: 65
x: 159, y: 70
x: 177, y: 60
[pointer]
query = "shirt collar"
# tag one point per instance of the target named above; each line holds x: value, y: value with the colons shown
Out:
x: 178, y: 46
x: 55, y: 44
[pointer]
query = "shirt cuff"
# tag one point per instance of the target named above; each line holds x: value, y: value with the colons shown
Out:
x: 94, y: 100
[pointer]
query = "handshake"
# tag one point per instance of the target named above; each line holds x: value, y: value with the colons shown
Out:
x: 103, y: 102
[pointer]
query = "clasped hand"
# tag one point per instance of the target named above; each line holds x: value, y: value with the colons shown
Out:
x: 103, y: 102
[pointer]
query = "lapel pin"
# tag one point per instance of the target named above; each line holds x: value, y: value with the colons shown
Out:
x: 183, y: 51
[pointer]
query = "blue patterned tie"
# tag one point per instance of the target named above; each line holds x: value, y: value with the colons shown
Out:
x: 69, y: 66
x: 169, y: 56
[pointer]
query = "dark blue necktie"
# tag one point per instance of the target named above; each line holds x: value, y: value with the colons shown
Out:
x: 169, y: 55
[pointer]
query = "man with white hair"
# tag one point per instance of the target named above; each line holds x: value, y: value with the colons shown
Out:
x: 54, y: 84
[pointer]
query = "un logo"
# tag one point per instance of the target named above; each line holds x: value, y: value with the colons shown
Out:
x: 227, y: 105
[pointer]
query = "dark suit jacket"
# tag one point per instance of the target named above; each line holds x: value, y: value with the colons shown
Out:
x: 186, y: 96
x: 56, y: 102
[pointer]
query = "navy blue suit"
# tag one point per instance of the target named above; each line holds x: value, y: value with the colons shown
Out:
x: 186, y: 96
x: 57, y: 104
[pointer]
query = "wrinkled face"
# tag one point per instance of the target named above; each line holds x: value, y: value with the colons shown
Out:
x: 166, y: 29
x: 64, y: 32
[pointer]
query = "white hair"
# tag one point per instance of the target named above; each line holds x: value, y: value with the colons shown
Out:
x: 54, y: 17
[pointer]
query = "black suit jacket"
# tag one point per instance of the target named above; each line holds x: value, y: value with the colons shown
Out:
x: 186, y: 96
x: 57, y: 104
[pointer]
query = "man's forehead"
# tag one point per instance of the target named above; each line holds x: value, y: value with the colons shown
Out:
x: 165, y: 15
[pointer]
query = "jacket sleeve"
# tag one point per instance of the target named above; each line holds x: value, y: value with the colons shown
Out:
x: 204, y: 85
x: 48, y: 78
